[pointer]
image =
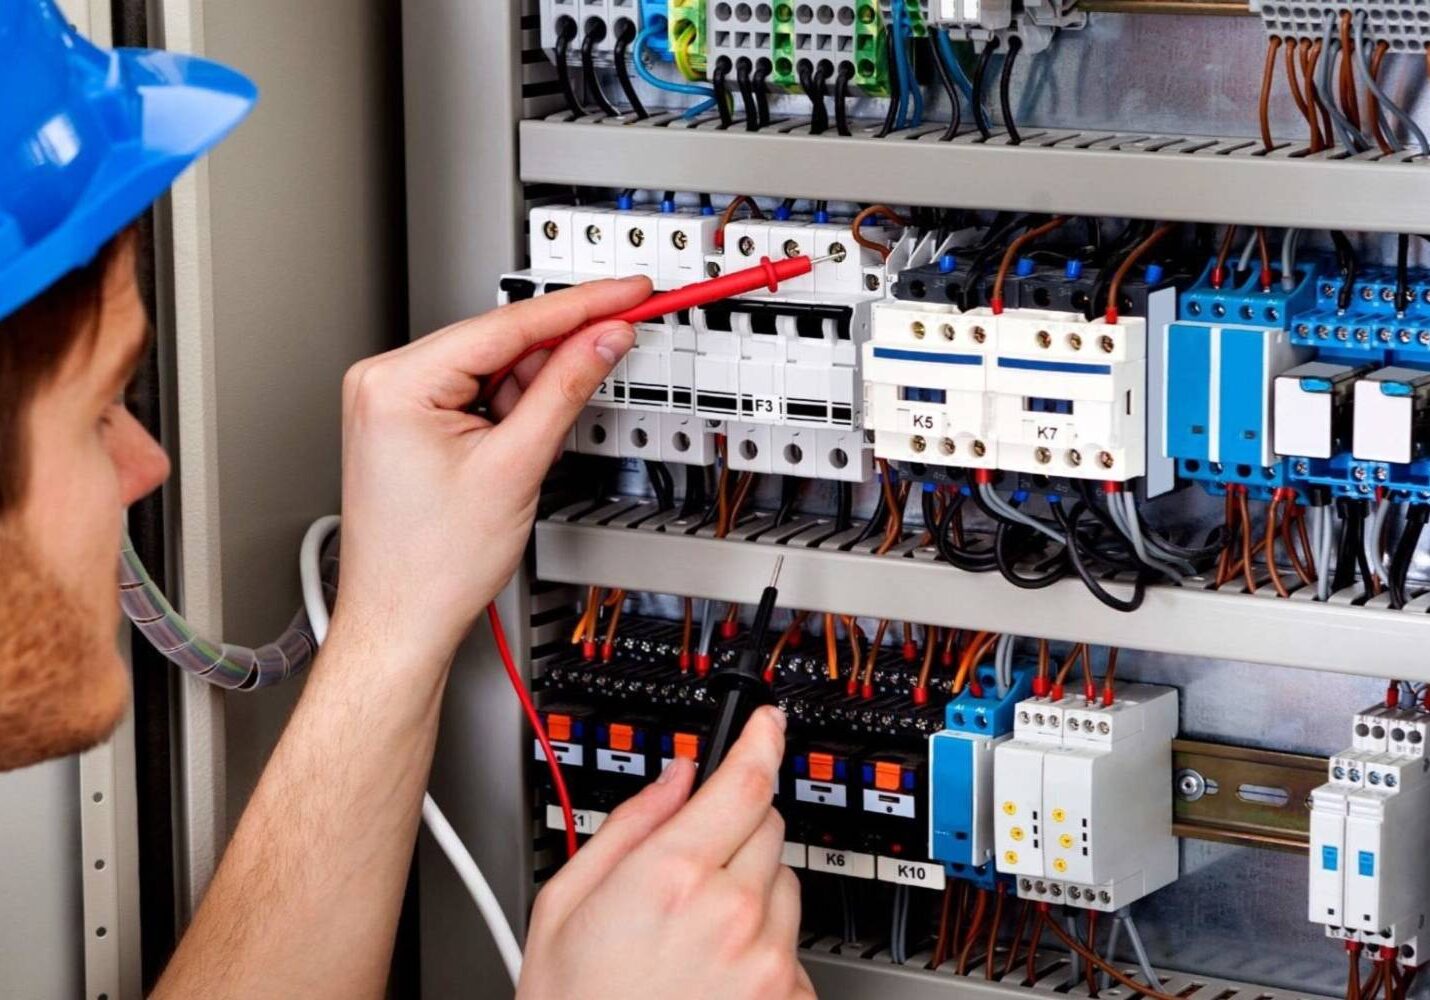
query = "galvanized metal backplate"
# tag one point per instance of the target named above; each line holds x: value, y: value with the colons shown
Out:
x: 1240, y: 795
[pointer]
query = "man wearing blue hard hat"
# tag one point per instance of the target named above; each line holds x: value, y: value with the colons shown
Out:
x: 671, y: 898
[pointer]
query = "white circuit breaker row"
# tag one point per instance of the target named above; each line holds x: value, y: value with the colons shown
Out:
x: 1030, y: 390
x: 1370, y: 835
x: 775, y: 372
x: 1083, y: 798
x: 1324, y: 408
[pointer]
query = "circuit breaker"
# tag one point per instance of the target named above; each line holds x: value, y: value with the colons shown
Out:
x: 1083, y: 798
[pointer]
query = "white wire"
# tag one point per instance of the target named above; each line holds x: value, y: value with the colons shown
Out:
x: 1244, y: 263
x: 1153, y: 980
x: 309, y: 572
x: 1370, y: 541
x: 1133, y: 524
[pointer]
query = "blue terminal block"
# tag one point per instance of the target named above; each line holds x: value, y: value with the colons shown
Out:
x: 961, y: 776
x: 1221, y: 361
x: 1372, y: 327
x: 659, y: 43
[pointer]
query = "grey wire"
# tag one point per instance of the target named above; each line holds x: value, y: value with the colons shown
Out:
x: 1320, y: 530
x: 1133, y: 526
x: 1110, y: 956
x: 1003, y: 663
x: 899, y: 945
x: 1014, y: 514
x: 1288, y: 259
x: 1074, y: 959
x: 1245, y: 260
x: 1386, y: 104
x: 1351, y: 137
x: 707, y: 627
x: 1154, y: 544
x: 1370, y: 540
x: 1153, y: 980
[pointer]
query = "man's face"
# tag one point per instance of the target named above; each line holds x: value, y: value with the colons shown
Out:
x: 63, y: 686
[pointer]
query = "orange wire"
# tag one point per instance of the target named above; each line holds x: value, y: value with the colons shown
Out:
x: 1219, y: 270
x: 930, y: 644
x: 1109, y: 675
x: 974, y: 926
x: 687, y: 626
x: 1310, y: 61
x: 831, y: 648
x: 583, y: 624
x: 1067, y: 665
x: 855, y: 655
x: 1248, y: 570
x: 1268, y: 75
x: 786, y: 637
x: 1350, y: 106
x: 881, y: 211
x: 977, y: 649
x: 1014, y: 249
x: 1114, y: 291
x: 874, y: 647
x: 1044, y: 658
x: 619, y: 602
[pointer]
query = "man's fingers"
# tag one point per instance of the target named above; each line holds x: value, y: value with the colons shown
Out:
x: 631, y: 823
x: 477, y: 347
x: 782, y: 916
x: 532, y: 434
x: 758, y: 858
x: 736, y: 798
x: 511, y: 389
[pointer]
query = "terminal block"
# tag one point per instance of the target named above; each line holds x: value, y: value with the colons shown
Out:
x: 685, y: 16
x: 1222, y: 359
x: 961, y: 759
x: 1083, y: 798
x: 1035, y: 21
x: 600, y: 16
x: 740, y: 33
x: 1370, y: 835
x: 1374, y: 327
x: 1398, y: 23
x: 841, y: 33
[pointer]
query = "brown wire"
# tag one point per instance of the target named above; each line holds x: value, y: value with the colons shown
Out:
x: 1312, y: 59
x: 1268, y: 76
x: 975, y: 926
x: 1067, y: 665
x: 1372, y: 103
x: 1265, y: 252
x: 728, y: 215
x: 1109, y: 676
x: 1073, y: 944
x: 1114, y: 291
x: 930, y: 644
x: 831, y: 648
x: 1016, y: 247
x: 1248, y: 570
x: 1044, y: 658
x: 1269, y: 547
x: 940, y: 948
x: 1040, y: 918
x: 616, y: 603
x: 1091, y: 946
x: 1308, y: 558
x: 1020, y: 929
x: 1292, y: 518
x: 1293, y: 78
x: 786, y: 637
x: 855, y: 655
x: 881, y: 211
x: 687, y: 626
x: 1350, y: 106
x: 1352, y: 974
x: 874, y: 648
x: 992, y: 945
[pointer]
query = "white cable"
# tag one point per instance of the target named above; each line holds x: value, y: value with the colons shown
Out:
x: 309, y: 572
x: 1153, y: 980
x: 1370, y: 541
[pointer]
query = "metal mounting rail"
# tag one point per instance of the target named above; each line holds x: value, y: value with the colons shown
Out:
x: 848, y: 971
x: 1095, y: 173
x: 626, y: 543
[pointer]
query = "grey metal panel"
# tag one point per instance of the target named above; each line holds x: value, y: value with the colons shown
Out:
x: 1187, y: 620
x: 1201, y: 186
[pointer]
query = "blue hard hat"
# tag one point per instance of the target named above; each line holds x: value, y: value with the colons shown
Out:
x: 89, y: 138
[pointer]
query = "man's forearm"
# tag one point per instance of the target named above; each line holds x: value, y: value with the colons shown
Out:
x: 306, y: 899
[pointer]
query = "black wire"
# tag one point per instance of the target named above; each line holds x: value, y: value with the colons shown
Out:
x: 1346, y: 259
x: 985, y: 252
x: 1005, y: 80
x: 706, y: 202
x: 661, y: 484
x: 1010, y: 532
x: 594, y: 34
x: 980, y: 76
x: 843, y: 506
x: 747, y: 95
x: 1402, y: 273
x: 841, y: 99
x: 762, y: 94
x: 789, y: 495
x: 565, y: 32
x: 1362, y: 563
x: 722, y: 92
x: 1353, y: 518
x: 695, y: 492
x: 812, y: 83
x: 880, y: 515
x: 1405, y: 554
x: 625, y: 34
x: 969, y: 562
x: 955, y: 110
x: 895, y: 95
x: 1070, y: 521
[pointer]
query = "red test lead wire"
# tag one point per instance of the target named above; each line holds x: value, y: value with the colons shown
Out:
x: 767, y: 274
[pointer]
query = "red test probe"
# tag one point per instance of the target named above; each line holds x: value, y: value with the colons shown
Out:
x: 766, y: 274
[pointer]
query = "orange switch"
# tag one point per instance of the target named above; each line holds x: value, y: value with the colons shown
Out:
x: 687, y: 745
x: 558, y: 727
x: 887, y: 776
x: 622, y: 737
x: 821, y: 767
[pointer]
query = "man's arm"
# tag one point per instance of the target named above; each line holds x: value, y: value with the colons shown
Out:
x: 437, y: 508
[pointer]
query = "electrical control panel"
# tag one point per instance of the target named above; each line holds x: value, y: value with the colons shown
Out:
x: 1370, y: 831
x: 1083, y: 798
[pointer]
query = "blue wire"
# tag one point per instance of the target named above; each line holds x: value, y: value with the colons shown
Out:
x: 660, y: 83
x: 901, y: 59
x: 915, y: 92
x: 950, y: 58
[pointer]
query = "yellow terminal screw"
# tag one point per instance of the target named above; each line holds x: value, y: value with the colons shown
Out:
x: 1010, y: 857
x: 1009, y: 809
x: 1060, y: 866
x: 1016, y: 833
x: 1059, y: 816
x: 1066, y: 840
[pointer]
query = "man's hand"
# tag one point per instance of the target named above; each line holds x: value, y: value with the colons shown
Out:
x: 677, y: 899
x: 438, y: 502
